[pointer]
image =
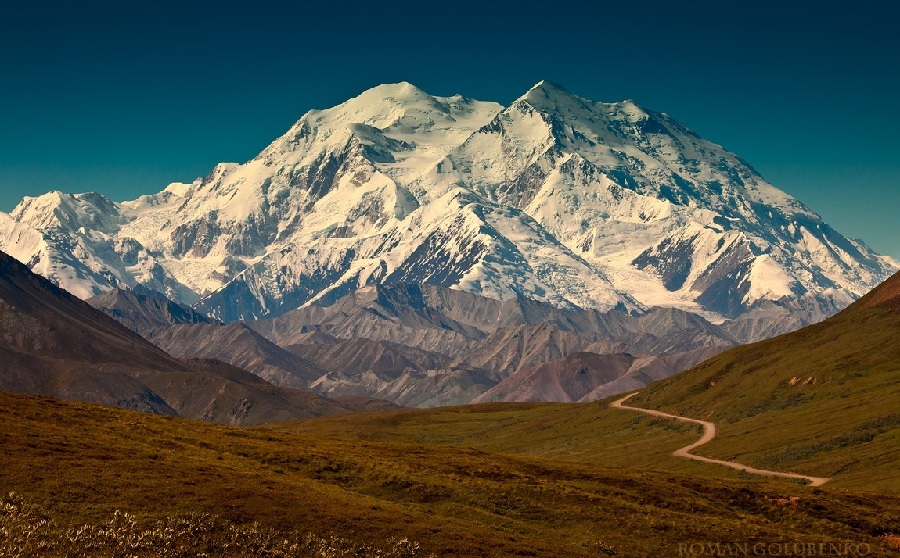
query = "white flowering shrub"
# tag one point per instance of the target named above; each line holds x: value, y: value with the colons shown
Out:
x: 26, y: 532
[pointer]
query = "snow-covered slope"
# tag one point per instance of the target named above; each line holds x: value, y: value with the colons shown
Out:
x: 554, y: 198
x: 670, y: 218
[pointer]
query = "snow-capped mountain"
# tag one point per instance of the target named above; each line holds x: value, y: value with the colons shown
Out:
x: 554, y: 198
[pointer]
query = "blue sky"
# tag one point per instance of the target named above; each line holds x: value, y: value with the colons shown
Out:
x: 123, y: 98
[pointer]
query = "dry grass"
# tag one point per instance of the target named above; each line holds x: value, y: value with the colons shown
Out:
x: 425, y: 476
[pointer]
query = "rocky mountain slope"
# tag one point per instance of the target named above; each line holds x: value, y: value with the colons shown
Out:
x: 51, y: 343
x: 183, y: 333
x: 587, y: 376
x: 563, y: 380
x: 143, y: 310
x: 239, y: 346
x: 420, y: 345
x: 554, y: 198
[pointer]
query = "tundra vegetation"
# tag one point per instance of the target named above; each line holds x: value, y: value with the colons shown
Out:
x: 485, y: 480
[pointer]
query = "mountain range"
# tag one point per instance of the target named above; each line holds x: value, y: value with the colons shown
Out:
x: 51, y: 343
x: 553, y: 198
x: 424, y: 345
x: 441, y: 250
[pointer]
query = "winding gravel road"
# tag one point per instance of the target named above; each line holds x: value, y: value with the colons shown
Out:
x: 709, y: 432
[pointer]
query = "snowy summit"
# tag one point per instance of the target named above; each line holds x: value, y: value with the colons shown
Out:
x: 554, y: 198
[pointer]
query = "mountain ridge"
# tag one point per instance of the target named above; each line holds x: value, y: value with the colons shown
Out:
x: 554, y: 198
x: 53, y: 343
x: 418, y: 344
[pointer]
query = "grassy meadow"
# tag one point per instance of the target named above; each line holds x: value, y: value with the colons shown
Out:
x: 491, y: 480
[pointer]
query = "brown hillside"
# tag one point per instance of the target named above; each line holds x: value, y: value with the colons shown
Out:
x: 886, y: 294
x: 52, y: 343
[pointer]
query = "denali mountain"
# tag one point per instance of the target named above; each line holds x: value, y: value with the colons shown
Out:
x: 555, y: 199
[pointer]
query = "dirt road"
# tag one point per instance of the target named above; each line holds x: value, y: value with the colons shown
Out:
x: 709, y: 432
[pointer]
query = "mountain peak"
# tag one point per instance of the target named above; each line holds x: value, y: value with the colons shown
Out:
x: 549, y: 86
x: 545, y: 89
x: 399, y: 90
x: 549, y: 95
x: 50, y: 199
x: 72, y: 210
x: 387, y: 105
x: 551, y: 98
x: 631, y: 107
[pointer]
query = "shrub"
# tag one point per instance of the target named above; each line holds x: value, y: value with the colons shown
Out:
x: 27, y: 531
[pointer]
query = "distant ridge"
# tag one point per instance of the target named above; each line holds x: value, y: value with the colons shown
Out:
x: 143, y: 310
x: 52, y: 343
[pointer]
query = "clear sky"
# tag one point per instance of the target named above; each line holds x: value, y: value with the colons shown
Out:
x: 124, y: 97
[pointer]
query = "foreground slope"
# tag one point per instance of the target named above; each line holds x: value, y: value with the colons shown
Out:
x: 452, y: 500
x: 52, y: 343
x: 823, y: 400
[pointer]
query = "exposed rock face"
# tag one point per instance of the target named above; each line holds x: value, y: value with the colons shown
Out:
x: 143, y: 310
x: 425, y: 345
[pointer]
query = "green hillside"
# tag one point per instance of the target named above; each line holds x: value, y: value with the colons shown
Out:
x: 824, y: 400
